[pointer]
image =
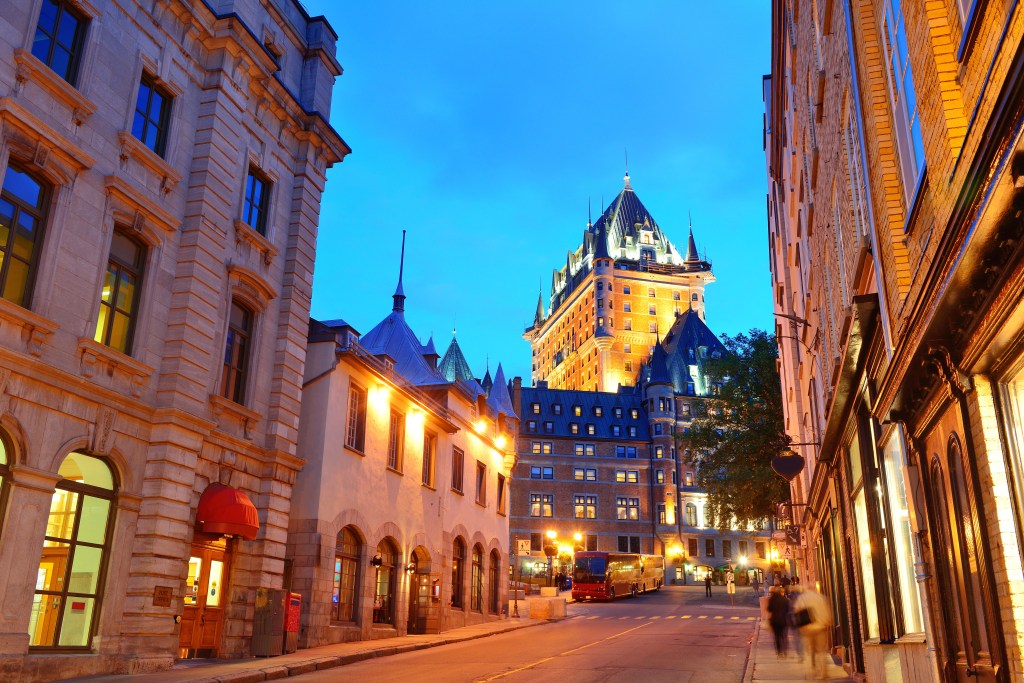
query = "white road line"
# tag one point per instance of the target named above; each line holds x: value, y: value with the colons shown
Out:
x: 567, y: 652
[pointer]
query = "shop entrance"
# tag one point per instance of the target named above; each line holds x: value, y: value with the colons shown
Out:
x: 205, y: 599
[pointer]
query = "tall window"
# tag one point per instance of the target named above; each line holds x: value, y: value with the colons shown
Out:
x: 5, y: 476
x: 71, y: 570
x: 494, y: 582
x: 458, y: 564
x: 346, y: 575
x: 476, y: 595
x: 541, y: 504
x: 119, y: 300
x: 585, y: 507
x: 501, y: 493
x: 909, y: 140
x: 355, y: 432
x: 662, y: 514
x: 257, y: 199
x: 691, y: 514
x: 458, y: 469
x: 659, y: 476
x: 152, y: 114
x: 691, y: 547
x: 59, y: 37
x: 384, y: 585
x: 709, y: 547
x: 629, y: 544
x: 236, y: 353
x: 481, y: 483
x: 429, y: 455
x: 396, y: 440
x: 726, y: 548
x: 22, y: 217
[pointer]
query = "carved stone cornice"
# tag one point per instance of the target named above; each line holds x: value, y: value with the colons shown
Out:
x: 29, y: 68
x: 100, y: 360
x: 130, y: 147
x: 34, y: 330
x: 245, y: 235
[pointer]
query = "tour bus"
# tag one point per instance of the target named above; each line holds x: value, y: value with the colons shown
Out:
x: 606, y: 576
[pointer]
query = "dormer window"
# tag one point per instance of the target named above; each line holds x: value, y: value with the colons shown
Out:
x: 598, y: 411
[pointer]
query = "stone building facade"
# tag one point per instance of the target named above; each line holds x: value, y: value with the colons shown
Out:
x: 161, y: 171
x: 418, y: 540
x: 603, y: 323
x: 605, y: 471
x: 895, y: 161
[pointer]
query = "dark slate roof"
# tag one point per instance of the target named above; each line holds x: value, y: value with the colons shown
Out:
x: 498, y: 397
x: 587, y: 400
x: 659, y: 366
x: 486, y: 382
x: 622, y: 218
x: 686, y: 339
x: 454, y: 364
x: 393, y: 337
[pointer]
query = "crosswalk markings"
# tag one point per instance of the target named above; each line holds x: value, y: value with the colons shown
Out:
x: 718, y: 617
x: 653, y: 617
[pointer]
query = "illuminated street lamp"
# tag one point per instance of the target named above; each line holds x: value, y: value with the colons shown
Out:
x: 550, y: 549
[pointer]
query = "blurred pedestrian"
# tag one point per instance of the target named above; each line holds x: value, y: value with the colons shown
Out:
x: 707, y: 585
x: 778, y: 618
x: 813, y: 617
x: 756, y: 586
x: 730, y: 586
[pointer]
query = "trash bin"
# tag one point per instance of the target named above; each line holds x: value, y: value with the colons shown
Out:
x: 268, y: 622
x: 293, y: 614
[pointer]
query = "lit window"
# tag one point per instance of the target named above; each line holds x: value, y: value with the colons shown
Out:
x: 396, y: 440
x: 650, y: 292
x: 476, y: 595
x: 458, y: 569
x: 346, y: 575
x: 546, y: 447
x: 627, y: 509
x: 458, y: 469
x: 535, y: 408
x: 659, y: 452
x: 585, y: 507
x: 627, y: 308
x: 68, y: 589
x: 119, y: 300
x: 22, y: 202
x: 541, y: 504
x: 659, y: 476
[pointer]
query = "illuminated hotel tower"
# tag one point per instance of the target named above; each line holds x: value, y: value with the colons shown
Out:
x: 614, y: 297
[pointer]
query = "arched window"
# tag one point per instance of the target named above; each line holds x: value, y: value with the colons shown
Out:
x: 23, y: 201
x: 75, y: 551
x: 384, y: 595
x: 691, y: 514
x: 346, y: 575
x: 458, y: 561
x: 494, y: 580
x: 476, y: 595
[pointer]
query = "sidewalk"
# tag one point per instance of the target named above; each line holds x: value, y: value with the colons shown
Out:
x: 763, y: 665
x: 317, y: 658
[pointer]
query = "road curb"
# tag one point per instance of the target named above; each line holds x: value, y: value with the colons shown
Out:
x: 748, y: 669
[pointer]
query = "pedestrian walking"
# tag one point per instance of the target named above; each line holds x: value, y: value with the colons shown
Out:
x: 778, y: 618
x: 707, y: 585
x: 813, y: 617
x: 757, y: 586
x: 730, y: 586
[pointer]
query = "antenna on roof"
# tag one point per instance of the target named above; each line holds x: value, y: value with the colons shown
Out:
x: 399, y: 295
x: 626, y: 178
x: 589, y: 222
x: 690, y: 214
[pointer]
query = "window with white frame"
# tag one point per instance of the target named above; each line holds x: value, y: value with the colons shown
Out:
x: 903, y: 96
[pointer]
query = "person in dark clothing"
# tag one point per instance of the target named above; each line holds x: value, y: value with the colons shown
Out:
x: 778, y: 618
x: 707, y: 586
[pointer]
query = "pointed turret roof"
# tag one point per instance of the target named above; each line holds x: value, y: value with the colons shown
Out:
x: 538, y: 317
x: 688, y: 343
x: 486, y: 382
x: 399, y: 295
x: 454, y: 366
x: 658, y: 366
x: 498, y: 397
x: 393, y: 337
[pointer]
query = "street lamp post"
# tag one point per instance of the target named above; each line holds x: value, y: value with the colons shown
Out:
x: 515, y: 583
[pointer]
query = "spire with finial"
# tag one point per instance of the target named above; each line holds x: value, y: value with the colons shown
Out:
x: 691, y: 247
x: 626, y: 177
x: 538, y: 317
x: 399, y: 295
x: 590, y: 223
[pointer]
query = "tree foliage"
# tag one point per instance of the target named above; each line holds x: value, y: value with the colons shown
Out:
x: 732, y: 442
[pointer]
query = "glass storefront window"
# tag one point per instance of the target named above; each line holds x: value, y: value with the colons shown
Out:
x: 904, y: 550
x: 74, y: 553
x: 865, y: 546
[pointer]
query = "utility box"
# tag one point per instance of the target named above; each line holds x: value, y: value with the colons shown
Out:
x: 293, y: 614
x: 268, y: 625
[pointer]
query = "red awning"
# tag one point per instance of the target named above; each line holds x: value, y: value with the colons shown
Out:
x: 224, y: 510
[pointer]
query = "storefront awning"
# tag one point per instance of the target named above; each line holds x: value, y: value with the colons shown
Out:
x: 226, y: 510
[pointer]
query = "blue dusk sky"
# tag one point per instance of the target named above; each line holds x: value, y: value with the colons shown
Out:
x: 482, y: 128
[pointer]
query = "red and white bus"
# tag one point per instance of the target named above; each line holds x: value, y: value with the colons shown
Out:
x: 606, y: 576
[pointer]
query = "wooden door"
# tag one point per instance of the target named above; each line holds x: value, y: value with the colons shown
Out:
x: 419, y: 602
x: 205, y: 600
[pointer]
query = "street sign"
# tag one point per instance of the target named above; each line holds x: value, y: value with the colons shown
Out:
x: 523, y: 547
x: 787, y: 553
x: 779, y: 535
x: 793, y: 535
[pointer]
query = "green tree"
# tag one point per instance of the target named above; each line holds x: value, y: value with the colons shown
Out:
x: 733, y: 439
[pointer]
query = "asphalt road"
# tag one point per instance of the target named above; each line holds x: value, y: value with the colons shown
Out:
x: 674, y: 635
